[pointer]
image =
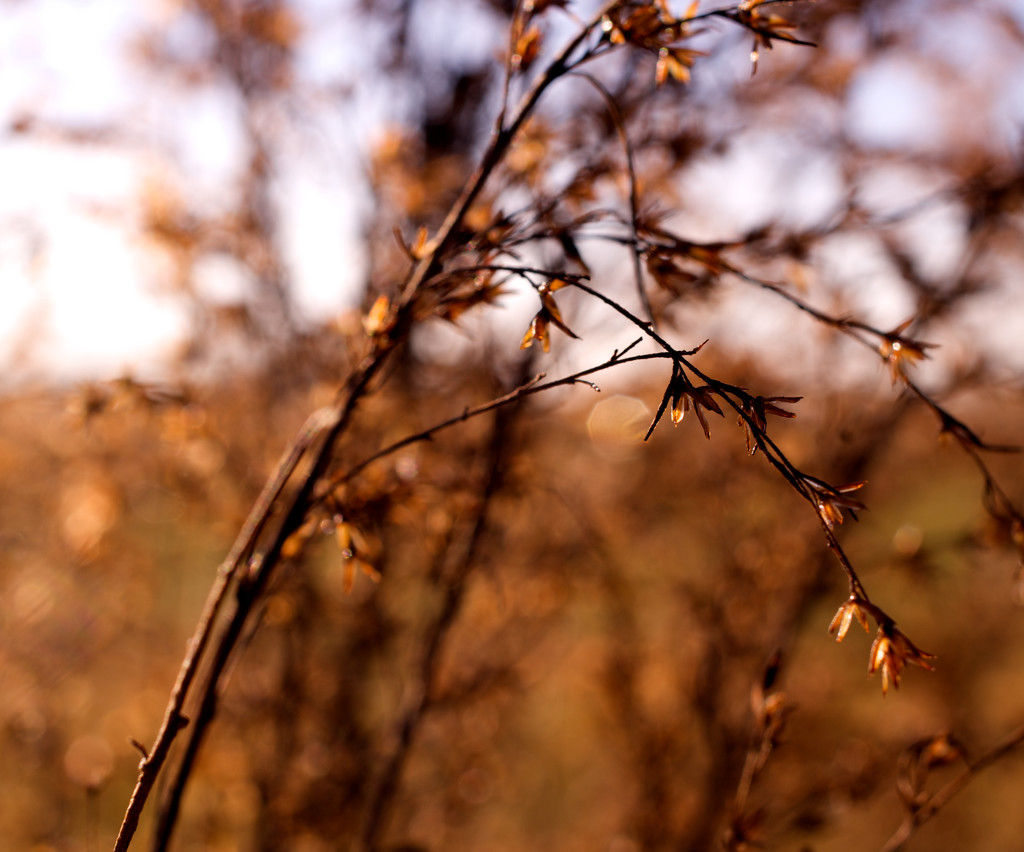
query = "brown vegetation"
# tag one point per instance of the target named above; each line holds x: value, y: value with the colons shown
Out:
x: 488, y: 598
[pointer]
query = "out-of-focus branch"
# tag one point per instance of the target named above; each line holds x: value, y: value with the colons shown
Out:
x: 455, y: 564
x: 921, y: 808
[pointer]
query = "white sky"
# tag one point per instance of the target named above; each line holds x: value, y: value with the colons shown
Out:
x: 80, y: 295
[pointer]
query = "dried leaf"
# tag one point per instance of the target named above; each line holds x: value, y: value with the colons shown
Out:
x: 422, y: 246
x: 669, y: 276
x: 891, y: 652
x: 675, y: 62
x: 572, y: 253
x: 453, y: 307
x: 901, y: 352
x: 668, y: 396
x: 538, y: 330
x: 844, y: 616
x: 526, y: 50
x: 831, y: 501
x: 380, y: 319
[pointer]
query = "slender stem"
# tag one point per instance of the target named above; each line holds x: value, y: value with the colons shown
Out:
x: 534, y: 386
x: 495, y: 152
x: 634, y: 203
x: 174, y: 720
x: 329, y: 426
x: 918, y: 816
x: 458, y: 558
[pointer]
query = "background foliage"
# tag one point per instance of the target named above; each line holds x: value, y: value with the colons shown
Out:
x: 535, y: 630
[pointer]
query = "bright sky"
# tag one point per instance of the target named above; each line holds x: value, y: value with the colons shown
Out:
x: 81, y: 295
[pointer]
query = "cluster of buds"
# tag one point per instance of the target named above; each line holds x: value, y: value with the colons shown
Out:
x: 891, y: 651
x: 901, y: 352
x: 546, y: 316
x: 653, y: 28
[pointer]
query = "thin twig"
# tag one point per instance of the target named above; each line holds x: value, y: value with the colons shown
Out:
x: 534, y: 386
x: 922, y: 813
x: 174, y: 719
x: 634, y: 202
x: 459, y: 558
x: 327, y: 426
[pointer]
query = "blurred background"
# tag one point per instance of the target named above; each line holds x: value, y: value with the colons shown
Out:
x: 200, y: 202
